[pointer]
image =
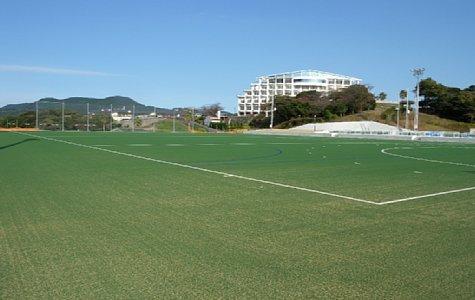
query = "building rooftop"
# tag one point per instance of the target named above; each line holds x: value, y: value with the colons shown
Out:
x: 310, y: 73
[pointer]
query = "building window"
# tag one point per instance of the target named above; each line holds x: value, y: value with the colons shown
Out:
x: 347, y: 82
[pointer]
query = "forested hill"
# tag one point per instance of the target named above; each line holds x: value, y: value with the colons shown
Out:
x: 78, y: 104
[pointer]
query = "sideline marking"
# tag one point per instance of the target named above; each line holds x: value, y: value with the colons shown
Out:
x: 250, y: 178
x: 384, y: 151
x: 288, y: 143
x: 426, y: 196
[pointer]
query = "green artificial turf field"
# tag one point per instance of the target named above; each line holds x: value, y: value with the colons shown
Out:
x: 134, y: 215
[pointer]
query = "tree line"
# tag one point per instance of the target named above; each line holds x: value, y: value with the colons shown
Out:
x: 448, y: 102
x: 51, y: 119
x: 314, y: 106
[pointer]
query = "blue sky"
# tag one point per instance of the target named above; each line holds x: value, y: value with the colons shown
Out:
x: 190, y: 53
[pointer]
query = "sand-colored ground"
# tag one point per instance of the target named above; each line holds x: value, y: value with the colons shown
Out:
x: 18, y: 129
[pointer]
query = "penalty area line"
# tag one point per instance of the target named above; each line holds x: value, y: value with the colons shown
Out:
x: 206, y: 170
x: 426, y: 196
x: 385, y: 151
x: 248, y: 178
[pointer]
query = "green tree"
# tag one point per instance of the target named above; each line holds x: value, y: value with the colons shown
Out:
x: 447, y: 102
x: 137, y: 122
x: 403, y: 94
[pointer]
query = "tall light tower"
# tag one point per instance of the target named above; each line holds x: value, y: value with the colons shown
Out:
x: 417, y: 72
x: 37, y: 115
x: 62, y: 116
x: 87, y: 117
x: 133, y: 118
x: 272, y: 113
x: 111, y: 117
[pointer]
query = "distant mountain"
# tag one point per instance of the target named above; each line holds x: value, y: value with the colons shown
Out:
x: 78, y: 104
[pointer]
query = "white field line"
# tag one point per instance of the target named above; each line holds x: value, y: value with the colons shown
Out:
x: 426, y: 196
x: 248, y: 178
x: 204, y: 170
x: 384, y: 151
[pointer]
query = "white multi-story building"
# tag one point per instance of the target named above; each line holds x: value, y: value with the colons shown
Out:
x: 289, y: 84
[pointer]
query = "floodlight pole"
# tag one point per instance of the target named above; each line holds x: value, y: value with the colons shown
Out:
x: 417, y: 72
x: 87, y: 117
x: 406, y: 125
x: 174, y: 116
x: 192, y: 119
x: 272, y: 113
x: 155, y: 113
x: 37, y: 115
x: 111, y: 117
x: 397, y: 112
x: 133, y: 118
x: 62, y: 116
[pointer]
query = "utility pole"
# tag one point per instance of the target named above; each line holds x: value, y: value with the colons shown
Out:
x: 133, y: 118
x: 397, y: 112
x: 406, y: 125
x: 37, y: 117
x: 111, y: 117
x: 272, y: 113
x: 417, y: 72
x: 156, y: 117
x: 87, y: 117
x: 174, y: 116
x: 62, y: 116
x: 192, y: 119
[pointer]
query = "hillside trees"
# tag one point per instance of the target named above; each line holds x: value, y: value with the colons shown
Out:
x: 448, y: 102
x: 313, y: 105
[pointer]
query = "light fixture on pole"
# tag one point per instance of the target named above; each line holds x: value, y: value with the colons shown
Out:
x: 417, y: 72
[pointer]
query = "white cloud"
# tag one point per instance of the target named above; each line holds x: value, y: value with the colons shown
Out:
x: 47, y: 70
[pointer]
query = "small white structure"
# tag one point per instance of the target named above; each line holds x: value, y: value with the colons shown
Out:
x: 117, y: 117
x: 220, y: 117
x: 361, y: 126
